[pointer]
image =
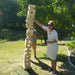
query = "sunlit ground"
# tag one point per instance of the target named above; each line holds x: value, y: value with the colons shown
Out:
x: 11, y: 59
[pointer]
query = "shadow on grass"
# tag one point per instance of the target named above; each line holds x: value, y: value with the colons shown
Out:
x: 41, y: 44
x: 60, y: 57
x: 41, y: 64
x: 31, y: 72
x: 62, y: 44
x: 64, y: 69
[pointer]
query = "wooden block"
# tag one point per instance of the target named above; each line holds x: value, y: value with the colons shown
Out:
x: 29, y: 32
x: 29, y: 23
x: 29, y: 26
x: 27, y: 45
x: 27, y: 54
x: 28, y: 42
x: 28, y: 38
x: 27, y: 50
x: 27, y: 63
x: 29, y: 20
x: 31, y: 6
x: 31, y: 16
x: 30, y: 11
x: 27, y: 67
x: 27, y: 60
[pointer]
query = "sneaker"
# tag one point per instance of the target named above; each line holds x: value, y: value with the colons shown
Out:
x: 50, y: 69
x: 53, y: 72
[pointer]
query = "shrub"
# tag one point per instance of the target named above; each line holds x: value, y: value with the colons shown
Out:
x: 71, y: 45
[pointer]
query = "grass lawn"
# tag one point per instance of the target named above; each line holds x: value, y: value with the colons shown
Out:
x: 11, y: 59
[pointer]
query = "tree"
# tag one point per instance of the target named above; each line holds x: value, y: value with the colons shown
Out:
x: 58, y: 10
x: 8, y: 15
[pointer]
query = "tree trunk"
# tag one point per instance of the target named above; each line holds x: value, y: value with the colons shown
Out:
x: 45, y: 41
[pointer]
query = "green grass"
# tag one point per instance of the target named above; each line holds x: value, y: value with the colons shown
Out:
x: 11, y: 59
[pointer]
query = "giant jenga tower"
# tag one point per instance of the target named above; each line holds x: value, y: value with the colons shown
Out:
x: 29, y: 34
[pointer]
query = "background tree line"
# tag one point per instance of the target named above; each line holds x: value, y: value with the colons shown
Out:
x: 13, y: 14
x: 8, y: 15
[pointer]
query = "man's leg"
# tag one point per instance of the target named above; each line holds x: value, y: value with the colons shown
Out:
x: 34, y: 48
x: 53, y: 62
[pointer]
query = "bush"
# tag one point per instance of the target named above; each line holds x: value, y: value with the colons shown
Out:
x: 71, y: 45
x: 12, y: 34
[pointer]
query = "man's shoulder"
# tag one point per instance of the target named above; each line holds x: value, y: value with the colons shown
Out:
x: 54, y: 31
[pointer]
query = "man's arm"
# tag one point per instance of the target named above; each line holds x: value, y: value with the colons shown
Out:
x: 38, y: 23
x: 50, y: 42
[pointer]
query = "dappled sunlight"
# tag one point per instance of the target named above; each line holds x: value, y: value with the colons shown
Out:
x: 11, y: 59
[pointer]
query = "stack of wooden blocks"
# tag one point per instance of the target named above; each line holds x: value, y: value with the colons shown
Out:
x: 29, y: 34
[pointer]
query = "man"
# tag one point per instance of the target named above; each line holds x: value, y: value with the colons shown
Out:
x: 34, y: 42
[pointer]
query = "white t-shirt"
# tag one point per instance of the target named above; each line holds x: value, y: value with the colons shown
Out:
x: 51, y: 35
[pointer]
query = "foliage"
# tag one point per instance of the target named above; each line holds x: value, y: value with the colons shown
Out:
x: 61, y: 11
x: 12, y: 34
x: 11, y: 60
x: 8, y: 15
x: 71, y: 45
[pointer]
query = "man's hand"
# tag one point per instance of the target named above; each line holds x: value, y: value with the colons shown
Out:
x: 48, y: 42
x: 37, y: 23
